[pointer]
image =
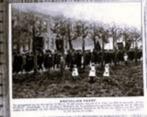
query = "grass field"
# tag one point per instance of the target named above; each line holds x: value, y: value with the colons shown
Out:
x: 123, y: 81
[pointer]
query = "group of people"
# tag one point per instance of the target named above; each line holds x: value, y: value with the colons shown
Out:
x: 54, y: 60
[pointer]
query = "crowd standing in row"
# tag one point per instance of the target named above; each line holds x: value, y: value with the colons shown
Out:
x: 53, y: 60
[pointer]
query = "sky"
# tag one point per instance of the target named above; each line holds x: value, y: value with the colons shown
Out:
x: 119, y: 13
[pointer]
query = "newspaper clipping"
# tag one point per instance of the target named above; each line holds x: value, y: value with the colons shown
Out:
x: 77, y: 59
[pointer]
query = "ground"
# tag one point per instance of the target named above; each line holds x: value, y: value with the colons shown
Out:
x: 124, y: 81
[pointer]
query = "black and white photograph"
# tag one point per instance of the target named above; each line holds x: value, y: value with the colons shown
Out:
x: 76, y: 49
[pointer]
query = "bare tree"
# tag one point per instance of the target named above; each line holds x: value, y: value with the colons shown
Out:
x: 82, y: 31
x: 71, y: 34
x: 116, y: 33
x: 136, y: 37
x: 60, y: 30
x: 103, y: 34
x: 26, y: 31
x: 94, y: 32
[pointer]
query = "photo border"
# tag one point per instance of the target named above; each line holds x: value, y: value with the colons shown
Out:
x: 143, y: 30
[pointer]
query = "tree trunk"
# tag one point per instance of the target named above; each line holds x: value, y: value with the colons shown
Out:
x: 83, y: 50
x: 102, y: 59
x: 18, y: 43
x: 62, y: 61
x: 83, y: 45
x: 34, y: 50
x: 18, y: 47
x: 69, y: 38
x: 70, y: 44
x: 94, y: 41
x: 115, y: 53
x: 136, y: 50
